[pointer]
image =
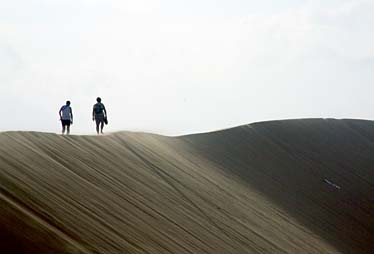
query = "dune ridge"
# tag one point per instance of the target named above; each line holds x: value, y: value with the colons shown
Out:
x: 256, y: 188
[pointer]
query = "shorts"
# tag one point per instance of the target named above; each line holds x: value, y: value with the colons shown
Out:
x: 65, y: 122
x: 99, y: 118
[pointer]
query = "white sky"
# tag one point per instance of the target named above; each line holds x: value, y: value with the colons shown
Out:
x: 183, y: 66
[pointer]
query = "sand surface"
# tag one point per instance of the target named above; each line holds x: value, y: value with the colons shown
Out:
x: 298, y: 186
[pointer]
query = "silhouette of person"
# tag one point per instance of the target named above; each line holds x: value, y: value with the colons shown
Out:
x: 99, y: 115
x: 66, y: 117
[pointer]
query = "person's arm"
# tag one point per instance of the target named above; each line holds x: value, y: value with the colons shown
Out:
x: 59, y: 113
x: 106, y: 115
x: 71, y: 115
x: 93, y: 113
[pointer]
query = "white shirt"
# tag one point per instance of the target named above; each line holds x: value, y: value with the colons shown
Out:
x: 66, y: 110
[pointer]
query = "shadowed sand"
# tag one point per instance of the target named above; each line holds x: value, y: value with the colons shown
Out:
x: 298, y: 186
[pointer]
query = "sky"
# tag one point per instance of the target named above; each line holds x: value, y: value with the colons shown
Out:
x: 176, y: 67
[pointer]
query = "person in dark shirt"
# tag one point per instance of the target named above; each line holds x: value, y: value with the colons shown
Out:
x: 99, y: 115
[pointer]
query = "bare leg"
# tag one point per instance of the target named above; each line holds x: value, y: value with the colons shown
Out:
x: 68, y: 129
x: 63, y: 130
x: 102, y: 127
x: 97, y: 127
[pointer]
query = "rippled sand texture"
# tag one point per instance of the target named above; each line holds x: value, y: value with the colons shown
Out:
x: 262, y: 188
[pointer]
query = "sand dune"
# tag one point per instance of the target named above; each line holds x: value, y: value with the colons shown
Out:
x: 300, y: 186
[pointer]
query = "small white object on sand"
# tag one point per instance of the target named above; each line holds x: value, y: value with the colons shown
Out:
x: 332, y: 184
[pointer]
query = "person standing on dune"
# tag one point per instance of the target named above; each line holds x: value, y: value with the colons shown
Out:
x: 66, y: 117
x: 99, y: 115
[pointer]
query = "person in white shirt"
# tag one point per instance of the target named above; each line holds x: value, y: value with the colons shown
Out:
x: 66, y: 117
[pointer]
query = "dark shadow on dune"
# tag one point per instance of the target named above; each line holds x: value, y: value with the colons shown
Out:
x: 289, y: 162
x: 20, y: 235
x: 16, y: 243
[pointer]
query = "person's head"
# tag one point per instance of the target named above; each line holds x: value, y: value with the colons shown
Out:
x: 98, y: 99
x: 68, y: 103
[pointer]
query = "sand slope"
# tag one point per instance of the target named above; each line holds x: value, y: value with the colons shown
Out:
x: 253, y: 189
